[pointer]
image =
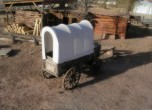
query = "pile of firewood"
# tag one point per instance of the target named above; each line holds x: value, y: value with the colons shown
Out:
x: 23, y: 29
x: 19, y: 28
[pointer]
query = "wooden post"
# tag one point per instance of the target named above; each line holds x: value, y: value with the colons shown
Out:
x: 12, y: 38
x: 7, y: 17
x: 6, y: 12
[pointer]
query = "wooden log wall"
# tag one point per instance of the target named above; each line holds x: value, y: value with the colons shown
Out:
x: 26, y: 22
x: 27, y: 18
x: 113, y: 25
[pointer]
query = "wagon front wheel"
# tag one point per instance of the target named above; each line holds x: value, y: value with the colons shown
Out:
x: 71, y: 78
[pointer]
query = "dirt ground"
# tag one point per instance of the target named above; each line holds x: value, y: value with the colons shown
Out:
x: 123, y: 82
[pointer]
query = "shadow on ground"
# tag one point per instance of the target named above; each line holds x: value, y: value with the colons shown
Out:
x: 119, y: 65
x: 14, y: 52
x: 138, y: 32
x: 4, y: 46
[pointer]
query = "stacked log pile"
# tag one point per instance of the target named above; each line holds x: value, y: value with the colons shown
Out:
x: 19, y: 28
x: 112, y: 25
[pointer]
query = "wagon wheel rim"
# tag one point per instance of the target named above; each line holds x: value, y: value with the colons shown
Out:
x: 71, y: 78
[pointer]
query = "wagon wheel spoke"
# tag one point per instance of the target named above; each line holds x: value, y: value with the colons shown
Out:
x: 68, y: 84
x: 76, y: 78
x: 71, y: 78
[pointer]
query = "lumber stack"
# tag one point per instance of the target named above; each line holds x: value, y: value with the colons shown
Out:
x: 19, y: 28
x: 27, y: 17
x: 37, y: 27
x: 113, y: 25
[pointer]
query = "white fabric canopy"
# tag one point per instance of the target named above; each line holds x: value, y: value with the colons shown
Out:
x: 68, y: 42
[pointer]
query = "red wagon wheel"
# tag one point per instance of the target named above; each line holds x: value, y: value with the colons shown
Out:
x: 71, y: 78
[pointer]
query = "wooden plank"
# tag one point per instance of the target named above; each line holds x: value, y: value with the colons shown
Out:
x: 21, y: 2
x: 35, y: 27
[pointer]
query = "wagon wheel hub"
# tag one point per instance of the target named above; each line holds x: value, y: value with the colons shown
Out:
x: 71, y: 78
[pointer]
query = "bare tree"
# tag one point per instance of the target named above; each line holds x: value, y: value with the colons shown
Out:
x: 128, y: 4
x: 83, y: 6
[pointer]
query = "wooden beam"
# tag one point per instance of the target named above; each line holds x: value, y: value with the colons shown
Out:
x: 21, y: 2
x: 6, y: 15
x: 9, y: 7
x: 36, y: 6
x: 42, y: 16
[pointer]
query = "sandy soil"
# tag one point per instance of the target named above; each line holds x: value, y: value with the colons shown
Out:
x: 123, y: 83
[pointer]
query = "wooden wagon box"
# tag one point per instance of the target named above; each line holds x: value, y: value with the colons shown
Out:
x: 113, y: 25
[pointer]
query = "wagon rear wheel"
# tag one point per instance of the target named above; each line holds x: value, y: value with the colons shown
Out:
x: 71, y: 78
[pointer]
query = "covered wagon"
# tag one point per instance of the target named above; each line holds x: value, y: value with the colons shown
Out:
x: 66, y: 49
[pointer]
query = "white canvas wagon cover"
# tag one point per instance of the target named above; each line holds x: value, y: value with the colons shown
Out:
x: 68, y: 42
